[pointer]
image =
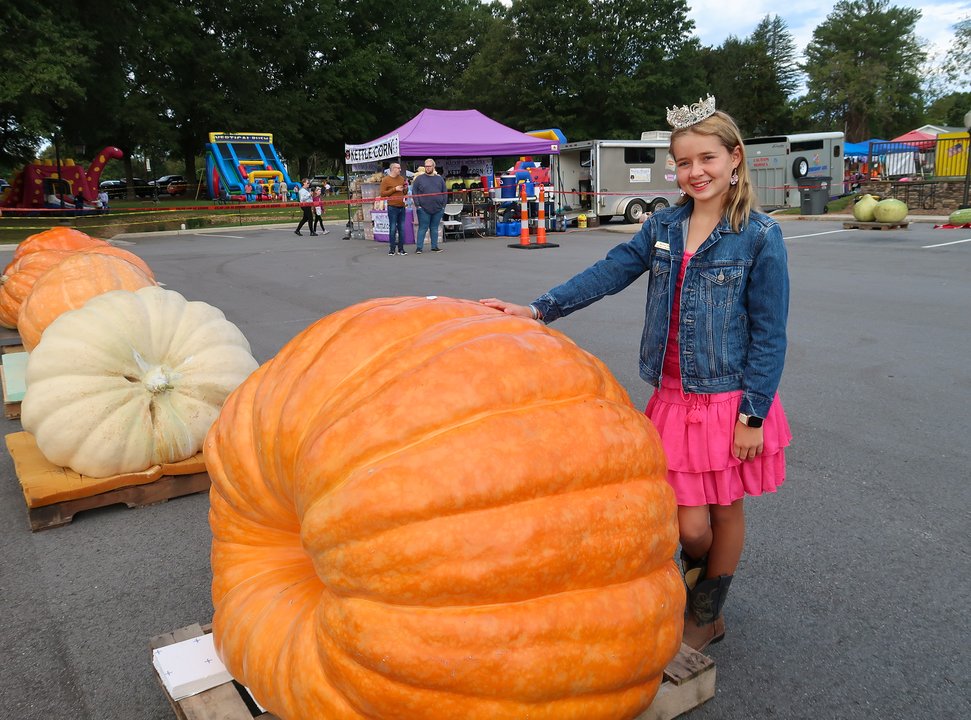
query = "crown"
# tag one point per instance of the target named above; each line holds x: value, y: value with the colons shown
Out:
x: 685, y: 116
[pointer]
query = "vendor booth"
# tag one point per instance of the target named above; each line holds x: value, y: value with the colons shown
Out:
x: 463, y: 144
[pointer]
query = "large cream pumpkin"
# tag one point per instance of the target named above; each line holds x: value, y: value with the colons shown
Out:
x: 69, y: 284
x: 130, y: 380
x: 423, y: 508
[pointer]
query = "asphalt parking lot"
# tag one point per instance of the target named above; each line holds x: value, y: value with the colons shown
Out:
x: 852, y: 597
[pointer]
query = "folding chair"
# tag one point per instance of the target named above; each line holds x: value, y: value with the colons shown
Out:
x: 451, y: 225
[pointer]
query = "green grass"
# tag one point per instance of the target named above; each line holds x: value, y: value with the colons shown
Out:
x: 132, y: 216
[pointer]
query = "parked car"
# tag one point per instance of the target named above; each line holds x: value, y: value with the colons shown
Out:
x: 114, y: 188
x: 118, y: 189
x: 170, y: 184
x: 337, y: 183
x: 3, y: 186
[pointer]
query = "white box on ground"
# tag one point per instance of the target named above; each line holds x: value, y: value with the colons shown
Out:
x: 190, y: 667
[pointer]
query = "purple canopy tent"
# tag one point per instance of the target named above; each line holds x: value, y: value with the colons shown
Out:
x: 450, y: 133
x: 447, y: 134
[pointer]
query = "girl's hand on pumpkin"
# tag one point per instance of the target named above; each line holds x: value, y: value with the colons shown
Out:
x: 747, y: 443
x: 508, y: 308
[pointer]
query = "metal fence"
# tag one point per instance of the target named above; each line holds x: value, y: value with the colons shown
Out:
x: 943, y: 158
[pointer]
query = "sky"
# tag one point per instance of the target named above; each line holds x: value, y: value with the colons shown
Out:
x: 715, y: 20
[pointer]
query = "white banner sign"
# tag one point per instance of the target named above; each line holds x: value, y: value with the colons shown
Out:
x: 378, y: 150
x: 381, y: 225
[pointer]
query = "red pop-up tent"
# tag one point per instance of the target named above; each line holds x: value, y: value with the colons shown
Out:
x: 917, y: 139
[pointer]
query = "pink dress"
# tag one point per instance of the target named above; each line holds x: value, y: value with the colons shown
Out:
x: 697, y: 431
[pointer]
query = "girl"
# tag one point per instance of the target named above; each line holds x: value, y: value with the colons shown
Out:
x: 713, y: 346
x: 317, y: 220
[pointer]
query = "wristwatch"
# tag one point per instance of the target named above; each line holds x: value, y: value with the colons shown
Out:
x: 750, y: 420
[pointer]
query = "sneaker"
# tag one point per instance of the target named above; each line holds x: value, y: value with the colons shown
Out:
x: 436, y: 249
x: 402, y: 252
x: 417, y: 252
x: 391, y: 252
x: 313, y: 234
x: 297, y: 232
x: 323, y: 231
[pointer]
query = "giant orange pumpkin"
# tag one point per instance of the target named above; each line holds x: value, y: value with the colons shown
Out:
x: 69, y: 284
x: 423, y: 508
x: 59, y: 238
x: 20, y: 275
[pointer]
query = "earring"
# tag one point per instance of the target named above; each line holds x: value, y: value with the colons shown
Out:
x: 734, y: 178
x: 681, y: 191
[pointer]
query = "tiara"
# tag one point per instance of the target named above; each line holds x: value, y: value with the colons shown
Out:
x: 685, y: 116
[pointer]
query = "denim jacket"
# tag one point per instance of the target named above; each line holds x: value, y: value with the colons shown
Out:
x: 734, y: 302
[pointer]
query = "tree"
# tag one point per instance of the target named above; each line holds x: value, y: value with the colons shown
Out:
x: 637, y: 68
x: 773, y: 35
x: 762, y: 109
x: 949, y: 109
x: 957, y: 59
x: 863, y: 70
x: 43, y: 53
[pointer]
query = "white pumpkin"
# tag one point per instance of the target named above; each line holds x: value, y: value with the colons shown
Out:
x: 131, y: 380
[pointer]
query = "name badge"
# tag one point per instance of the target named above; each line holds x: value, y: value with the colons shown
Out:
x: 662, y: 246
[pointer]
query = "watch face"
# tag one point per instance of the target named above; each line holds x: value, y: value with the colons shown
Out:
x: 754, y: 422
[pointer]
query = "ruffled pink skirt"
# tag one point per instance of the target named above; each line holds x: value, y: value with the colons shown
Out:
x: 696, y: 432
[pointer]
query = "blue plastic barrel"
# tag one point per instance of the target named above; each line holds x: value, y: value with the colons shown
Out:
x: 507, y: 186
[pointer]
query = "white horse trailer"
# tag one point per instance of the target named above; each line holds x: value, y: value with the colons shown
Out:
x: 616, y: 177
x: 780, y: 164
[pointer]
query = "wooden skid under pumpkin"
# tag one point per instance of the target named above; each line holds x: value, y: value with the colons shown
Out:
x: 689, y: 682
x: 54, y: 494
x: 874, y: 226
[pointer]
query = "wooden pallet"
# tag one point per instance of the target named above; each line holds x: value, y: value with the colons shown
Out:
x: 54, y: 495
x: 689, y: 682
x: 875, y: 226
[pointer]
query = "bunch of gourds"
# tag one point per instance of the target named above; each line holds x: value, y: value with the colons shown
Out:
x: 122, y: 374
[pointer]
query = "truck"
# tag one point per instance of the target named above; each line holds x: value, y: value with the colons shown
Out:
x: 780, y: 164
x: 616, y: 177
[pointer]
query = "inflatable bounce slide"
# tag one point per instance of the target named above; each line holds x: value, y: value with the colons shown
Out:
x: 234, y: 160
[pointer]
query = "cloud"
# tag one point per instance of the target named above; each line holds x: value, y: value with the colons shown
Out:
x: 715, y: 20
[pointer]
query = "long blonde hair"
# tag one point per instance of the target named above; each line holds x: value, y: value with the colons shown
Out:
x: 740, y: 198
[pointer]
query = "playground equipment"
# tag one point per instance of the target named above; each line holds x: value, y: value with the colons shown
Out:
x: 235, y: 160
x: 43, y: 179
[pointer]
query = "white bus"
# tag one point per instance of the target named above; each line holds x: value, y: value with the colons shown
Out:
x: 779, y: 164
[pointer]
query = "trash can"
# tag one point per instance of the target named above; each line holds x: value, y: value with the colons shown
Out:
x: 813, y: 195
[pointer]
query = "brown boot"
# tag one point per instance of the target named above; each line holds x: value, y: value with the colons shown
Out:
x: 704, y: 623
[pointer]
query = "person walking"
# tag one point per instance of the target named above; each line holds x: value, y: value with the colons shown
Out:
x: 317, y: 221
x: 713, y: 346
x: 393, y: 188
x: 305, y: 199
x: 430, y: 196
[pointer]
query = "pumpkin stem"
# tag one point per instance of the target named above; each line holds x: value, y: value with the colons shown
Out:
x: 157, y: 380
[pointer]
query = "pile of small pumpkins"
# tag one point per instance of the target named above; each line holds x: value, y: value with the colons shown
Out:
x: 121, y: 374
